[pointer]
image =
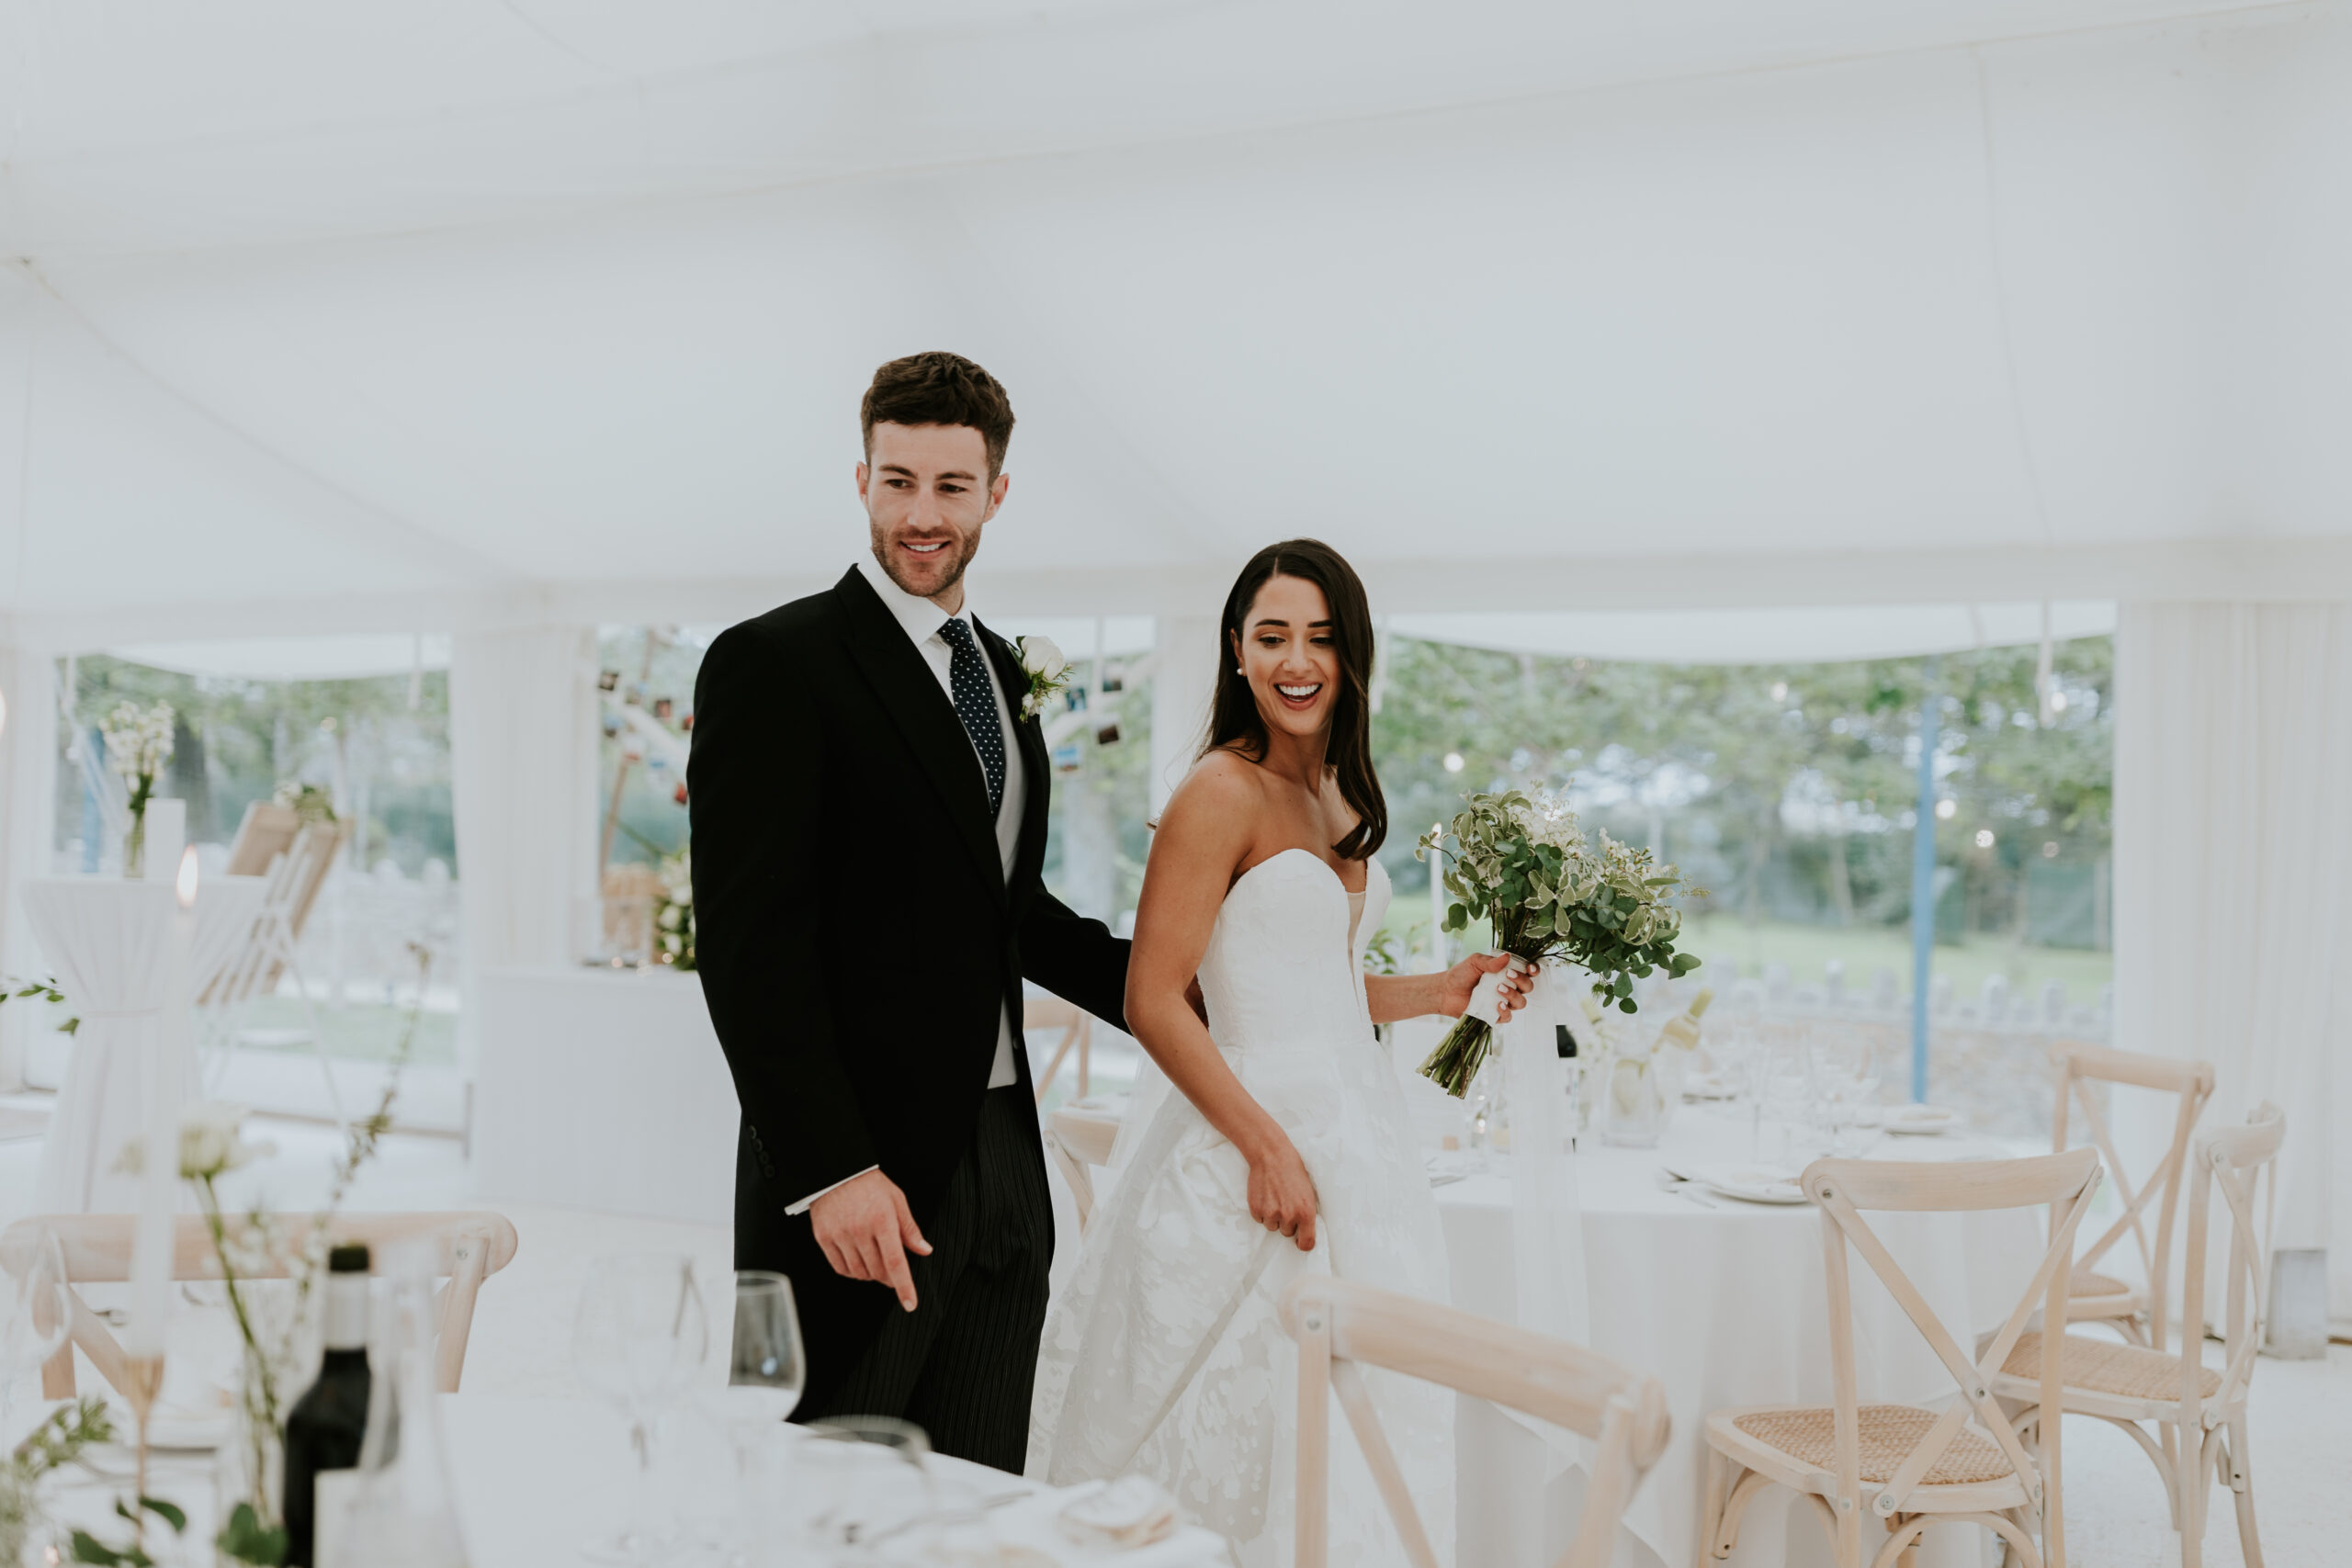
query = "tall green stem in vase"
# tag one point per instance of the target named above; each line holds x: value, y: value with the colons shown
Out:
x: 134, y: 842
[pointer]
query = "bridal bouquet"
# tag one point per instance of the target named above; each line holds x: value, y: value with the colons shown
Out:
x: 1524, y: 864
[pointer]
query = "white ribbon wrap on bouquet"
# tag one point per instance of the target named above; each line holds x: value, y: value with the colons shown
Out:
x: 1547, y: 1216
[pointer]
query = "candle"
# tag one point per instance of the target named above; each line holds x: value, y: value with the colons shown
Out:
x: 166, y: 837
x: 151, y: 1248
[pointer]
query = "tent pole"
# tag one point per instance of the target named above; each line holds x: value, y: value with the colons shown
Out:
x: 1923, y: 884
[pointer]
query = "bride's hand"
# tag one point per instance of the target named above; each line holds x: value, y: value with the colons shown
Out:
x: 1282, y: 1195
x: 1456, y: 983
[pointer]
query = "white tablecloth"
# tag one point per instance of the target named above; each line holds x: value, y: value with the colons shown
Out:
x: 1725, y: 1306
x: 104, y: 938
x: 600, y: 1088
x: 537, y: 1479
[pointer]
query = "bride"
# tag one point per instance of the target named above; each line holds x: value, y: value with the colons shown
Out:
x: 1287, y: 1146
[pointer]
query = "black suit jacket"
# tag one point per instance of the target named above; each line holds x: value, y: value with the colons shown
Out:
x: 857, y: 935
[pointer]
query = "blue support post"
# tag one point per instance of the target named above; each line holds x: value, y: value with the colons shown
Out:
x: 1923, y: 886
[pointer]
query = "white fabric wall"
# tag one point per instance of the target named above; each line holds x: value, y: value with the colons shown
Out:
x: 2233, y: 877
x: 523, y: 732
x: 27, y: 826
x: 1182, y: 680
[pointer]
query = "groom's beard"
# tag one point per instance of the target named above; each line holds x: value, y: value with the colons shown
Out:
x: 958, y: 554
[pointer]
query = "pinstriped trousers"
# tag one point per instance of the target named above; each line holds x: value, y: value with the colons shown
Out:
x: 961, y: 1365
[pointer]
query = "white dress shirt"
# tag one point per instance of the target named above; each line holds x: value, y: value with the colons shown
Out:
x: 922, y: 619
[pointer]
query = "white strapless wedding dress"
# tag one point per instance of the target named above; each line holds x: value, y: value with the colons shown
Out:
x: 1164, y: 1355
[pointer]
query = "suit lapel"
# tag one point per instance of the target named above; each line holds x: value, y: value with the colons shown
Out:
x: 1036, y: 775
x: 910, y: 693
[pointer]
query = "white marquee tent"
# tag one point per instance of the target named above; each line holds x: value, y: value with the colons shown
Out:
x: 491, y: 320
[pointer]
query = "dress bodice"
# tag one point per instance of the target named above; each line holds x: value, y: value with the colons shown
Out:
x: 1284, y: 964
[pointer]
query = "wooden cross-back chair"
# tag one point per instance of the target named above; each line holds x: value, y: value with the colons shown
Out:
x: 472, y: 1246
x: 2136, y: 1313
x: 1341, y: 1324
x: 1907, y: 1465
x: 2199, y: 1412
x: 1078, y: 1031
x: 1076, y: 1139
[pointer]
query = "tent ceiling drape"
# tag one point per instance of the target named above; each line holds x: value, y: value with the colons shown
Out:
x: 399, y: 319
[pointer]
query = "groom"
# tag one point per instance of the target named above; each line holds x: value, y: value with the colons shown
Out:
x: 868, y: 813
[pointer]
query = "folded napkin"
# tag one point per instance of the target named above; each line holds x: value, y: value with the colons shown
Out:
x: 1131, y: 1523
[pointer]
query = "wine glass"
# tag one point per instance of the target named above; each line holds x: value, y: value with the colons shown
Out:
x: 1848, y: 1070
x: 35, y: 1309
x: 638, y: 1337
x: 1786, y: 1089
x: 765, y: 1369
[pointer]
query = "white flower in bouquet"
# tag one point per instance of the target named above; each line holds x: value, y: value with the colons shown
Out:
x: 1048, y: 672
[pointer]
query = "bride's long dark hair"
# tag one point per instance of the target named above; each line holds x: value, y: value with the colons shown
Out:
x: 1234, y: 718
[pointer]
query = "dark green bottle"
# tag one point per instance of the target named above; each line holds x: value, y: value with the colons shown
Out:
x: 325, y: 1428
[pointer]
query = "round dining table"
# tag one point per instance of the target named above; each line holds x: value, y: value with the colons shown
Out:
x: 534, y: 1479
x: 1726, y: 1302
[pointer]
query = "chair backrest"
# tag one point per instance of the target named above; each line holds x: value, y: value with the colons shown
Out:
x: 1842, y: 1190
x: 472, y: 1244
x: 267, y: 832
x: 1076, y: 1139
x: 1340, y: 1323
x: 2234, y: 1160
x: 1077, y: 1026
x: 2080, y: 1066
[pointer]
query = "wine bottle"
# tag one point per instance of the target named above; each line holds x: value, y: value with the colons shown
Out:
x: 1682, y: 1029
x: 326, y: 1425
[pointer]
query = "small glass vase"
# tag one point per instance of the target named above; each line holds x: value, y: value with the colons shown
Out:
x: 134, y: 847
x: 1639, y: 1100
x: 249, y: 1469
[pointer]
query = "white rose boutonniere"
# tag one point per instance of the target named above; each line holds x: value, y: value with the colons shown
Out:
x: 1047, y: 671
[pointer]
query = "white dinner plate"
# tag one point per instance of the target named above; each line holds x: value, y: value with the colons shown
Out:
x: 1753, y: 1183
x: 1920, y: 1121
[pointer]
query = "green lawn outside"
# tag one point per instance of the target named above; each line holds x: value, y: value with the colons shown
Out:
x: 1808, y: 949
x: 360, y: 1033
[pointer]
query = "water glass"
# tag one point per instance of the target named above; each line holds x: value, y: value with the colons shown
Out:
x: 638, y: 1337
x: 1787, y: 1090
x: 766, y: 1368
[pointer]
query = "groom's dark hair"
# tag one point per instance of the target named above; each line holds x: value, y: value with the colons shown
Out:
x: 939, y: 388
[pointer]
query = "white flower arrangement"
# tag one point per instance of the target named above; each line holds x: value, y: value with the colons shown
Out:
x: 212, y: 1143
x: 674, y: 915
x: 138, y: 742
x: 1048, y: 674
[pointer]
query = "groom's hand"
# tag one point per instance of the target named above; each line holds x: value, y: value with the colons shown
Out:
x: 867, y: 1230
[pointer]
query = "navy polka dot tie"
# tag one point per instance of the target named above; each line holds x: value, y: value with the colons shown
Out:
x: 976, y: 705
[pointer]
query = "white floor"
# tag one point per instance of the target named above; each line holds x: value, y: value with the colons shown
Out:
x: 2301, y: 1415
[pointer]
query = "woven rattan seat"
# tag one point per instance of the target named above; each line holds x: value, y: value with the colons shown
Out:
x: 1889, y: 1434
x: 2126, y: 1371
x: 2090, y: 1282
